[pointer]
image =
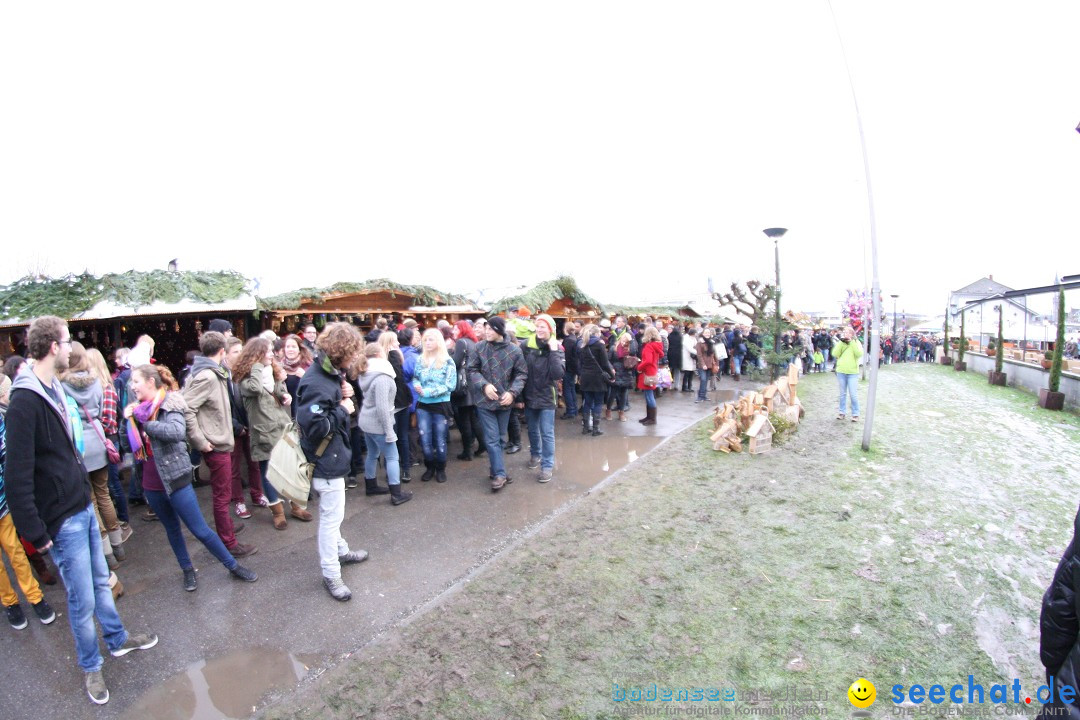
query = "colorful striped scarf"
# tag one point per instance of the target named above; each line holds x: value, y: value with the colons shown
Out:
x: 144, y: 413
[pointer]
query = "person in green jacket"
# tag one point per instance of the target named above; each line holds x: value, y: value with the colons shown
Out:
x: 847, y: 352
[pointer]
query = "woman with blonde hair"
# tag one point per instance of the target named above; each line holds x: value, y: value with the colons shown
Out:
x: 86, y: 391
x: 434, y: 378
x: 376, y: 377
x: 596, y: 374
x: 112, y: 431
x: 403, y: 399
x: 652, y: 349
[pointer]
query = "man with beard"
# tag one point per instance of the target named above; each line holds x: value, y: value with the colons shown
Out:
x: 48, y: 492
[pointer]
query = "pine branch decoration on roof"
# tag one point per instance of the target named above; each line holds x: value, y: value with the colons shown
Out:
x: 421, y: 294
x: 539, y: 298
x: 70, y: 295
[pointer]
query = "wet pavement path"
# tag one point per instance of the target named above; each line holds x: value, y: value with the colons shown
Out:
x: 230, y: 643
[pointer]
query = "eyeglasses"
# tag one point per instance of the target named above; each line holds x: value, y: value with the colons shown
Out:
x: 64, y: 342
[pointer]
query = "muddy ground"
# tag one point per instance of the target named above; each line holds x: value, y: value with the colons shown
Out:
x: 920, y: 562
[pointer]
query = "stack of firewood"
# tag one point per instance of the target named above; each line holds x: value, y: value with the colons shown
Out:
x: 735, y: 419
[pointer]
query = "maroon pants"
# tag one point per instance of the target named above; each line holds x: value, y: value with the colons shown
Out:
x: 220, y: 464
x: 241, y: 459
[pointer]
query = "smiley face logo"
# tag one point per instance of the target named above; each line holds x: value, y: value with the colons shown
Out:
x: 862, y: 693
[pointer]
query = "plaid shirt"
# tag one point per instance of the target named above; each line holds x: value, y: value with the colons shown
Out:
x: 108, y: 411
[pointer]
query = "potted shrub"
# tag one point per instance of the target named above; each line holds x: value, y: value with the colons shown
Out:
x: 961, y: 346
x: 1051, y: 398
x: 997, y: 377
x: 991, y: 348
x: 1047, y: 360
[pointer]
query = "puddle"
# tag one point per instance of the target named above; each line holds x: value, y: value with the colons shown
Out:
x: 588, y: 460
x: 224, y: 688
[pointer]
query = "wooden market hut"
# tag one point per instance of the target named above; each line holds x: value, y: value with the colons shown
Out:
x: 361, y: 303
x: 560, y: 298
x: 113, y: 310
x: 666, y: 313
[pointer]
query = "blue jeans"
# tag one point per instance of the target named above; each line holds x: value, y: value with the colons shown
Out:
x: 434, y: 434
x: 569, y: 394
x: 738, y: 364
x: 376, y: 446
x: 703, y: 383
x: 268, y: 489
x: 184, y: 505
x: 496, y: 423
x: 78, y: 554
x: 650, y: 398
x: 542, y: 435
x: 594, y: 402
x: 117, y: 489
x: 849, y: 385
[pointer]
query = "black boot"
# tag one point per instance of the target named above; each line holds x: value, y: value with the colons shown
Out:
x: 399, y: 496
x: 440, y: 472
x: 430, y: 472
x: 650, y: 416
x: 586, y: 423
x: 371, y: 487
x: 596, y: 425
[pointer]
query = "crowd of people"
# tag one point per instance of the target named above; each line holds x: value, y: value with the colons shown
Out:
x: 84, y: 447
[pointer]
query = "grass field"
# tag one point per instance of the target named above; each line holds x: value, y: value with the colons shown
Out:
x: 922, y: 561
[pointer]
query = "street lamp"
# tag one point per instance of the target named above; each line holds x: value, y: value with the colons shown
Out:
x: 894, y: 317
x: 776, y: 234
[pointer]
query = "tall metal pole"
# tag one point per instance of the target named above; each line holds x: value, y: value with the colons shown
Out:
x: 776, y: 234
x: 875, y: 331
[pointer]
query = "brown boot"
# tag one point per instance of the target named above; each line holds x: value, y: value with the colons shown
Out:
x: 116, y: 586
x: 300, y: 513
x: 278, y: 509
x: 622, y: 416
x: 650, y: 416
x: 607, y: 413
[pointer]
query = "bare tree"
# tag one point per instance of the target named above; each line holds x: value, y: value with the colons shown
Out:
x: 753, y: 301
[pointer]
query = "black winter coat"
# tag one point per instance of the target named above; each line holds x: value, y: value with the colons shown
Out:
x: 674, y: 351
x: 545, y: 371
x: 1059, y: 627
x: 45, y: 478
x: 571, y: 350
x: 403, y: 395
x: 319, y: 413
x: 595, y: 369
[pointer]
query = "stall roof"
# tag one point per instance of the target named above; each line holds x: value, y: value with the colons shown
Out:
x: 423, y: 295
x: 543, y: 296
x: 115, y: 295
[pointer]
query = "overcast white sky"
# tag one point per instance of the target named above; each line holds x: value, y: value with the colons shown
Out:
x: 640, y: 146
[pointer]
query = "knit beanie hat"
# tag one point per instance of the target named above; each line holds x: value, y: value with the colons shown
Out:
x: 545, y: 318
x: 220, y: 325
x: 498, y: 324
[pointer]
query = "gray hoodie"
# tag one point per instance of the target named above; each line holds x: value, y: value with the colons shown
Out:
x: 379, y: 389
x: 85, y: 389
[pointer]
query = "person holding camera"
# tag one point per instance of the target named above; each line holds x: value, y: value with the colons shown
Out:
x: 848, y: 352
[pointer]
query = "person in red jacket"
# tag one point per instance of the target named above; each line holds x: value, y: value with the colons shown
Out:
x: 652, y: 349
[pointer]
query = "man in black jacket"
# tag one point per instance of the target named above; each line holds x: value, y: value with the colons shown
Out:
x: 322, y: 413
x: 545, y: 365
x: 48, y: 492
